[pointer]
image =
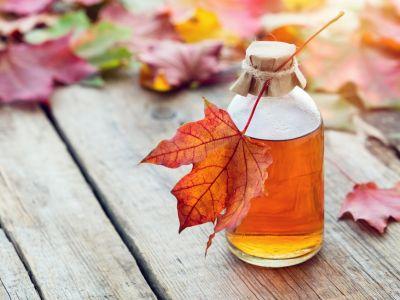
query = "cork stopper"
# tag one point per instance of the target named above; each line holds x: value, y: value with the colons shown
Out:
x: 261, y: 62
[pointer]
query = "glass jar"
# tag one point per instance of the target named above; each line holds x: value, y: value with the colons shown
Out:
x: 285, y: 226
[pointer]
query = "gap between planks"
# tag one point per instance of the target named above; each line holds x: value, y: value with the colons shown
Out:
x: 129, y: 243
x: 23, y: 260
x: 53, y: 219
x: 14, y: 267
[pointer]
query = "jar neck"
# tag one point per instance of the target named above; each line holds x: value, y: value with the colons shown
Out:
x: 278, y: 97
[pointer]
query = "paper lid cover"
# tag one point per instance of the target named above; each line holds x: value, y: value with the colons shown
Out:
x: 262, y: 60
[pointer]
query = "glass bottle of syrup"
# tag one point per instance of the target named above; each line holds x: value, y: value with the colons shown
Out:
x: 285, y: 226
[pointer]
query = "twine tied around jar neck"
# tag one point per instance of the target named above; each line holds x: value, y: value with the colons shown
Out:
x: 265, y: 75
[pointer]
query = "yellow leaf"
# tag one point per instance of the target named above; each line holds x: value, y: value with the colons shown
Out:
x: 160, y: 83
x: 156, y: 82
x: 203, y: 25
x: 302, y: 4
x: 289, y: 34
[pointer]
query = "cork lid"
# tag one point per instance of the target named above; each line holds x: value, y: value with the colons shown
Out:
x: 263, y: 58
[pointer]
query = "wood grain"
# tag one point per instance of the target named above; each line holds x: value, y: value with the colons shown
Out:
x: 14, y: 279
x: 52, y: 217
x: 112, y: 129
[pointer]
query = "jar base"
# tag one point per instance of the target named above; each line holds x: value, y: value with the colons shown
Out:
x: 270, y: 262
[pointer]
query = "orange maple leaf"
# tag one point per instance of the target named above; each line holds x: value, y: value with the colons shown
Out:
x: 372, y: 204
x: 376, y: 75
x: 365, y: 58
x: 229, y: 169
x: 381, y: 29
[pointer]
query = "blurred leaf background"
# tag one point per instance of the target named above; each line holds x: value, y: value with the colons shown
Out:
x: 352, y: 67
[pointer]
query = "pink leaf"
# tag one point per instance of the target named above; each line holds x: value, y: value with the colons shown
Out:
x: 29, y: 72
x: 146, y: 27
x: 241, y: 17
x: 247, y: 11
x: 372, y: 204
x: 183, y: 63
x: 375, y: 74
x: 25, y: 24
x: 24, y: 7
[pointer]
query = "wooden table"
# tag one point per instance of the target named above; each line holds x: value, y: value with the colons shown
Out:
x: 80, y: 219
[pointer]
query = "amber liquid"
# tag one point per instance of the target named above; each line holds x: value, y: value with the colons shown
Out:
x: 287, y: 222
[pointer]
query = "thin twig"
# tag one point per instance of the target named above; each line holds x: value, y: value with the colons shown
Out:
x: 290, y: 58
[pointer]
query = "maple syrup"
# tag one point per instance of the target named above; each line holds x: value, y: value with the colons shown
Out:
x: 284, y: 226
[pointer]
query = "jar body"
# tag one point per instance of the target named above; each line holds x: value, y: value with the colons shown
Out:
x: 285, y: 226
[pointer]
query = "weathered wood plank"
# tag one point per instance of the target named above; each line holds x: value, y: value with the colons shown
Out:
x: 14, y: 279
x: 52, y: 216
x: 376, y: 253
x: 112, y: 129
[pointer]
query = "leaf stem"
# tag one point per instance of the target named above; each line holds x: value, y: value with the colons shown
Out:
x: 263, y: 90
x: 290, y: 58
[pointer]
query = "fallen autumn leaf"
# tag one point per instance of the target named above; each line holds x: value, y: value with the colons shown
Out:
x: 38, y: 68
x: 229, y: 169
x: 372, y: 204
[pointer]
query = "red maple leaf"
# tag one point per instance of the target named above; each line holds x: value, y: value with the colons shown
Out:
x: 229, y: 169
x: 372, y: 204
x: 29, y: 72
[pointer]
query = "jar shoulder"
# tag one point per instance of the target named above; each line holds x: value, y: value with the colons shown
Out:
x: 277, y: 118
